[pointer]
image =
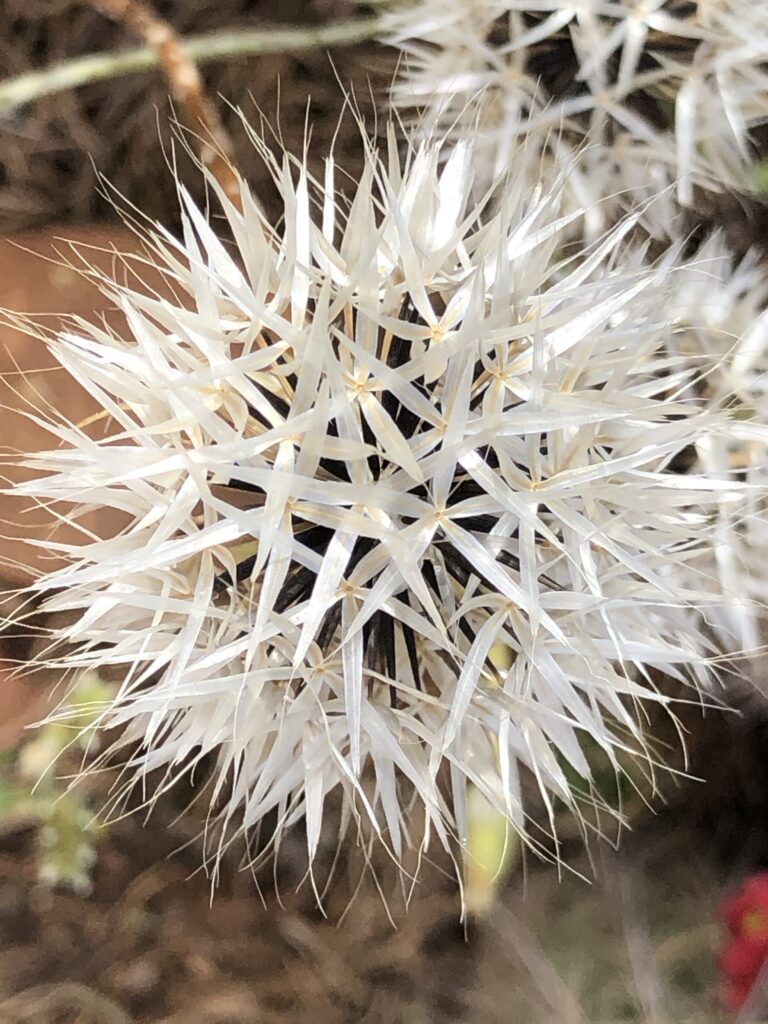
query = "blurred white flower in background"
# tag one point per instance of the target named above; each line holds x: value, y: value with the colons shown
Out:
x: 680, y: 82
x: 364, y: 452
x: 724, y: 323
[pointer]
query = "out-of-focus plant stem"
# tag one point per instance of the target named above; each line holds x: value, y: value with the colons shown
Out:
x: 215, y: 46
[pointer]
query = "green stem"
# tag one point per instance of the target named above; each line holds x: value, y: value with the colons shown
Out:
x: 224, y: 45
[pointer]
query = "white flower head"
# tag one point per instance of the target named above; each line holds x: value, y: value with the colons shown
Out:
x: 398, y: 498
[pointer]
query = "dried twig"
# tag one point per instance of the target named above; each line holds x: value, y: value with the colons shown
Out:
x: 186, y: 86
x: 35, y: 1004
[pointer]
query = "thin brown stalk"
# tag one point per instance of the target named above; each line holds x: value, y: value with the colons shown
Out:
x: 186, y: 86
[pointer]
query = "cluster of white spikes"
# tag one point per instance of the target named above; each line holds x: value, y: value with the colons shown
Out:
x: 359, y: 457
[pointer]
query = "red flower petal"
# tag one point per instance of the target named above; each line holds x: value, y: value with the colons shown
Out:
x: 745, y: 915
x: 756, y: 890
x: 733, y: 997
x: 733, y: 910
x: 751, y: 899
x: 742, y: 958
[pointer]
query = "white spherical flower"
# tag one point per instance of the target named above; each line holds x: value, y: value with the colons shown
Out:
x: 400, y: 508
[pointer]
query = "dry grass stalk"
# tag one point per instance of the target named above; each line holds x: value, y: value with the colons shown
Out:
x: 186, y: 86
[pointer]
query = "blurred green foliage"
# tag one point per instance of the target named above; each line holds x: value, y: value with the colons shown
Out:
x: 34, y: 788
